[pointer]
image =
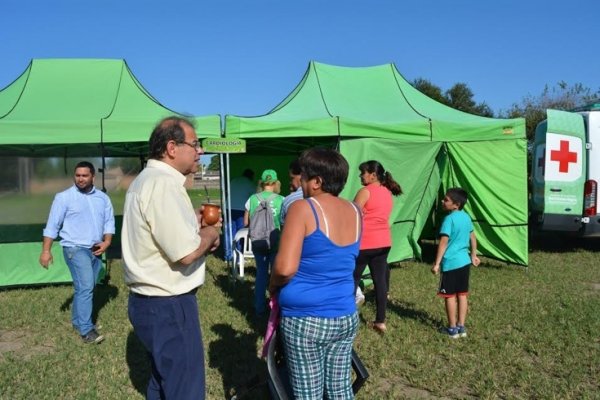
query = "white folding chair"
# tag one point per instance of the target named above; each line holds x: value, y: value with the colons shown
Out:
x: 239, y: 256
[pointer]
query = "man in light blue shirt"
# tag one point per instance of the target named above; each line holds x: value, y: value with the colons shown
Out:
x: 295, y: 189
x: 83, y: 217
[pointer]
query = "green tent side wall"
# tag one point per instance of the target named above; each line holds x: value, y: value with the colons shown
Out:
x: 427, y: 169
x: 497, y: 187
x: 20, y: 266
x: 374, y: 113
x: 415, y: 167
x: 72, y: 108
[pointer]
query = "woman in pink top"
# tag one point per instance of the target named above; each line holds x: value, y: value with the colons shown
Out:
x: 375, y: 200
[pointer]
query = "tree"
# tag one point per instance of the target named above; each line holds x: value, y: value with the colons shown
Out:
x: 459, y: 97
x: 215, y: 164
x: 430, y: 90
x: 558, y: 97
x: 129, y: 165
x: 9, y: 173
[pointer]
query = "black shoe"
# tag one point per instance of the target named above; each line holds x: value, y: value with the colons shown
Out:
x: 92, y: 337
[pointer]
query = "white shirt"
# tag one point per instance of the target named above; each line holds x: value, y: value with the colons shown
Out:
x: 241, y: 188
x: 159, y: 228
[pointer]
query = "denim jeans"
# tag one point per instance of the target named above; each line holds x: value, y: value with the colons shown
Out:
x: 84, y: 267
x: 264, y: 262
x: 237, y: 223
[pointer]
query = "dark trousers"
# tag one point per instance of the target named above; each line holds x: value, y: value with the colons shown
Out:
x: 237, y: 223
x: 264, y: 263
x: 169, y: 328
x: 376, y: 259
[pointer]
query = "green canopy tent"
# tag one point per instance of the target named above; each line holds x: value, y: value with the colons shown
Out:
x: 374, y: 113
x: 72, y: 108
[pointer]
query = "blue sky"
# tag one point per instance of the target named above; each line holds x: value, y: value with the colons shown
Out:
x: 243, y: 57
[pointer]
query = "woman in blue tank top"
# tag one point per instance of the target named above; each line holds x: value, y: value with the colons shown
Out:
x: 313, y: 277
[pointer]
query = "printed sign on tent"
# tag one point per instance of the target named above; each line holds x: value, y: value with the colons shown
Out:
x: 224, y: 145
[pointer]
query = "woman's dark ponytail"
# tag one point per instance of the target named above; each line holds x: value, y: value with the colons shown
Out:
x: 391, y: 184
x: 383, y: 176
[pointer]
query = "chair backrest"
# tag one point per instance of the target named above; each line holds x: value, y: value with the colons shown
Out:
x: 278, y: 379
x: 242, y: 235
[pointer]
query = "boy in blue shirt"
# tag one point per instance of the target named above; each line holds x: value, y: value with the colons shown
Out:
x: 456, y: 237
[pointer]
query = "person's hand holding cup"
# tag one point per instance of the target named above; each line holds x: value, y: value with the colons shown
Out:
x: 210, y: 214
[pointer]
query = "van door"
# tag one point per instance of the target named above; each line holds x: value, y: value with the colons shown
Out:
x: 564, y: 171
x: 537, y: 170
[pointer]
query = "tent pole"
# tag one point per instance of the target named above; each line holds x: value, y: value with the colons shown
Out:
x: 103, y: 152
x: 229, y: 218
x: 103, y: 167
x: 226, y: 195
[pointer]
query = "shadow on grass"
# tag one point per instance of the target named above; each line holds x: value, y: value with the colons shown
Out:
x: 102, y: 295
x: 240, y: 294
x: 138, y: 362
x: 408, y: 310
x: 557, y: 242
x: 234, y: 354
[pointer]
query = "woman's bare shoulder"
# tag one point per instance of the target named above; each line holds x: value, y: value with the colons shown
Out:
x: 298, y: 207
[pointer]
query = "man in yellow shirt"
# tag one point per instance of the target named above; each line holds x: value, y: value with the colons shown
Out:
x: 164, y: 247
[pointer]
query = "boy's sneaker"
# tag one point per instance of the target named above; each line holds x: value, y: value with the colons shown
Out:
x: 452, y: 332
x: 92, y: 337
x: 462, y: 331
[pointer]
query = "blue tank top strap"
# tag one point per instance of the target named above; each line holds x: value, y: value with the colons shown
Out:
x: 358, y: 220
x: 312, y: 206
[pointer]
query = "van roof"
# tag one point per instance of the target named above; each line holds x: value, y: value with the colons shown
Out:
x: 594, y: 106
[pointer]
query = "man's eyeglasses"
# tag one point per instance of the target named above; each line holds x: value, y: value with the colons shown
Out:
x: 195, y: 144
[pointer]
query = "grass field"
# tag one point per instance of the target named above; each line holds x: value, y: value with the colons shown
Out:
x: 533, y: 333
x: 18, y: 208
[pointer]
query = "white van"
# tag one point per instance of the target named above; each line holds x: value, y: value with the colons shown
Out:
x: 565, y: 171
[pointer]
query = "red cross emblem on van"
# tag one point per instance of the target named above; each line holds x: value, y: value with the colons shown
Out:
x: 563, y: 156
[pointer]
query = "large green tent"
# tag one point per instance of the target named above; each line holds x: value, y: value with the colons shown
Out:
x: 374, y: 113
x: 82, y: 107
x: 72, y: 108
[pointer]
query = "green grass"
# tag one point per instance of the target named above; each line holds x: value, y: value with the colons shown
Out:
x: 533, y: 333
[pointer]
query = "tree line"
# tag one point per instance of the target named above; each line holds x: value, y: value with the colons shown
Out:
x: 560, y: 96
